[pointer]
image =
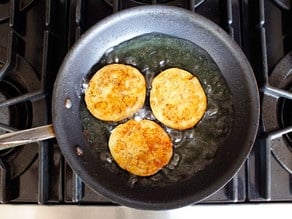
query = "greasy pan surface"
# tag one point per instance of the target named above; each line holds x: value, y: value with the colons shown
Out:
x: 122, y: 27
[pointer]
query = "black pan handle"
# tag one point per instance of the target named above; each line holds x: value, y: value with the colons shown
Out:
x: 27, y: 136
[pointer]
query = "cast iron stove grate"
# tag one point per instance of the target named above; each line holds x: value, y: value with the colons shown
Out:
x: 35, y: 36
x: 269, y: 166
x: 27, y: 37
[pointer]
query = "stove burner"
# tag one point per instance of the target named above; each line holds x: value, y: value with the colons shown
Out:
x: 277, y: 113
x: 5, y: 120
x: 19, y: 81
x: 20, y: 113
x: 4, y: 114
x: 286, y: 118
x: 17, y: 116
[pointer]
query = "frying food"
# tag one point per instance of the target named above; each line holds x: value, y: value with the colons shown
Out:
x: 140, y: 147
x: 177, y: 99
x: 115, y: 92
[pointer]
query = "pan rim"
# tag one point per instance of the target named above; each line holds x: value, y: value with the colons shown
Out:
x: 157, y: 10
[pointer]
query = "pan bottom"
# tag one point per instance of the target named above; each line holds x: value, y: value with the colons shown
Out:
x: 194, y: 148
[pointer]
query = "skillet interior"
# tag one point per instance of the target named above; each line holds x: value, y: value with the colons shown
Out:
x: 175, y: 22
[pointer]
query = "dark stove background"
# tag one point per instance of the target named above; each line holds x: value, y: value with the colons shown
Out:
x: 34, y: 38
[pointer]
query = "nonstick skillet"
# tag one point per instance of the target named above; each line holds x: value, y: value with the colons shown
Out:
x: 68, y: 92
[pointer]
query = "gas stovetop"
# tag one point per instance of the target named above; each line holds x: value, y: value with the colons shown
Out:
x: 35, y: 36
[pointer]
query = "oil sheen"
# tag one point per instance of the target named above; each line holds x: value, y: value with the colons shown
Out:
x: 194, y: 148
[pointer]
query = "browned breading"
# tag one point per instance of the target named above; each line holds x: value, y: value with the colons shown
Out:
x: 140, y: 147
x: 177, y: 99
x: 115, y: 92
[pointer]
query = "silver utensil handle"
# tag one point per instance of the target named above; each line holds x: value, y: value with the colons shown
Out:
x: 27, y: 136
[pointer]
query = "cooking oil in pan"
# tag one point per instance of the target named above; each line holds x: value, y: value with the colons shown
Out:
x: 194, y: 148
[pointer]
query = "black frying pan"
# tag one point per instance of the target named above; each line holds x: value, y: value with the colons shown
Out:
x: 121, y: 27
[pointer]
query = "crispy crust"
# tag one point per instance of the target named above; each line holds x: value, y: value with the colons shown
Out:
x: 140, y: 147
x: 115, y: 92
x: 177, y: 99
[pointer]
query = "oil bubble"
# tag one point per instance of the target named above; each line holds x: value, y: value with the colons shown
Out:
x: 116, y: 59
x: 110, y: 59
x: 145, y: 69
x: 130, y: 60
x: 132, y: 180
x: 163, y: 63
x: 174, y: 161
x: 144, y: 113
x: 189, y: 134
x: 84, y: 86
x: 176, y: 135
x: 209, y: 89
x: 68, y: 103
x: 106, y: 157
x: 149, y: 77
x: 156, y: 178
x: 212, y: 109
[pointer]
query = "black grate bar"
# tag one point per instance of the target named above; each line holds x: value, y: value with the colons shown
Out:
x: 265, y: 158
x: 44, y: 176
x: 4, y: 14
x: 245, y: 26
x: 233, y: 20
x: 78, y: 12
x: 43, y: 185
x: 7, y: 128
x: 53, y: 34
x: 45, y: 60
x: 198, y: 3
x: 276, y: 92
x: 265, y: 170
x: 3, y: 187
x: 32, y: 96
x: 192, y: 5
x: 233, y: 185
x: 284, y: 4
x: 61, y: 185
x: 265, y: 68
x: 74, y: 21
x: 12, y: 45
x: 229, y: 18
x: 16, y: 15
x: 116, y: 6
x: 48, y: 13
x: 277, y: 134
x: 261, y: 8
x: 232, y: 188
x: 13, y: 11
x: 26, y: 6
x: 78, y: 188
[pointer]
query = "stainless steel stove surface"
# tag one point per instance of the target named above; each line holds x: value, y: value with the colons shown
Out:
x: 34, y: 38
